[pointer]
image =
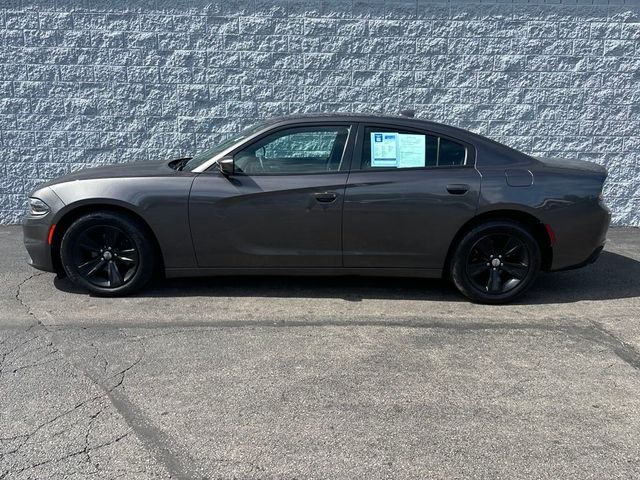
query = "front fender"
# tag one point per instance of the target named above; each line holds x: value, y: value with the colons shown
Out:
x: 161, y: 202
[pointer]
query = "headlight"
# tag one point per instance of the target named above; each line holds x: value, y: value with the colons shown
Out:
x: 37, y: 208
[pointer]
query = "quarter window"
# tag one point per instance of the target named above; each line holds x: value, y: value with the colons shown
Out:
x: 450, y: 153
x: 387, y: 148
x: 294, y: 151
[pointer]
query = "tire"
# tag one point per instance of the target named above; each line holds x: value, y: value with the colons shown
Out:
x: 109, y: 254
x: 495, y: 262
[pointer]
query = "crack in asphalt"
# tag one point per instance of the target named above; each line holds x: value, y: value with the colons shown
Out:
x: 155, y: 441
x: 18, y: 294
x: 5, y: 354
x: 84, y: 451
x: 104, y: 361
x: 177, y: 462
x: 51, y: 350
x: 108, y: 393
x: 122, y: 373
x: 51, y: 421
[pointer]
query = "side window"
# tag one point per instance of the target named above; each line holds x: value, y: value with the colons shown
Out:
x: 388, y: 148
x: 294, y: 151
x: 451, y: 153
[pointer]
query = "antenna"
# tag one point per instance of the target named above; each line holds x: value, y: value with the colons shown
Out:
x: 408, y: 113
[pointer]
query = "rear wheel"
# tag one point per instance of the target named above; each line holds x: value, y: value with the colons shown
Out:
x: 107, y: 253
x: 495, y: 262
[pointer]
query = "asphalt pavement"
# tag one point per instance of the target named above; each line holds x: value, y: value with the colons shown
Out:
x: 335, y: 378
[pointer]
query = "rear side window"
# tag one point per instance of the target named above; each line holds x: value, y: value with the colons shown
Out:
x: 388, y: 148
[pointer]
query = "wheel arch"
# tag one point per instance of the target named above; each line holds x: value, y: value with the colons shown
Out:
x: 74, y: 212
x: 530, y: 221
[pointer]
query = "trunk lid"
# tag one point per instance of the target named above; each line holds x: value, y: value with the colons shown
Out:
x: 572, y: 164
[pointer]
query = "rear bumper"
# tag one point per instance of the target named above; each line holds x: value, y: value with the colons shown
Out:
x: 591, y: 259
x: 580, y: 236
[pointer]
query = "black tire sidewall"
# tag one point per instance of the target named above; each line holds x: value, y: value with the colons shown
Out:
x: 458, y: 265
x: 132, y: 228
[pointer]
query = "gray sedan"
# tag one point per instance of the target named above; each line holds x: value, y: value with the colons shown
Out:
x: 325, y: 195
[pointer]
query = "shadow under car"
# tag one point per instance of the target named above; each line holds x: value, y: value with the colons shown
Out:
x: 613, y: 276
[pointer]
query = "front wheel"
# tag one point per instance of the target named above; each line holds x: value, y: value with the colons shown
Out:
x: 495, y: 262
x: 107, y: 253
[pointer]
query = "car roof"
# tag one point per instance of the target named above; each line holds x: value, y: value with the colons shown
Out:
x: 354, y: 117
x: 372, y: 118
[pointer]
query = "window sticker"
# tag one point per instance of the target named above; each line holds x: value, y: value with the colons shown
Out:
x: 384, y: 149
x: 411, y: 150
x: 397, y: 150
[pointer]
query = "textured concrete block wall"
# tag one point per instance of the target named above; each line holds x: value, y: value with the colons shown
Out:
x: 86, y: 82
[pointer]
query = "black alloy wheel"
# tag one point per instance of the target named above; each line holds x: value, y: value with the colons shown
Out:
x: 108, y: 253
x: 498, y: 263
x: 495, y: 262
x: 105, y: 256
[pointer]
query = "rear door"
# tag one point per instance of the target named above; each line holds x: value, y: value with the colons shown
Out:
x: 408, y: 193
x: 283, y: 205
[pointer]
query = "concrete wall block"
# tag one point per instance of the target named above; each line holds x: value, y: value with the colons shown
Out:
x: 155, y: 23
x: 85, y: 85
x: 56, y: 20
x: 74, y: 38
x: 21, y: 20
x: 320, y: 26
x: 190, y: 23
x: 40, y: 38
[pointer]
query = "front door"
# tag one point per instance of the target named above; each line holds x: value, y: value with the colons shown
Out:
x: 408, y: 194
x: 283, y: 205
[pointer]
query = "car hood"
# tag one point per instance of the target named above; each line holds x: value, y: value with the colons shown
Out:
x: 122, y: 170
x: 572, y: 164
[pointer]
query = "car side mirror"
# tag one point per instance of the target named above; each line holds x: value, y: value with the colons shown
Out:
x: 226, y: 166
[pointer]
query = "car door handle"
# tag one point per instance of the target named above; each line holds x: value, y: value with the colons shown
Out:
x: 457, y: 188
x: 326, y: 197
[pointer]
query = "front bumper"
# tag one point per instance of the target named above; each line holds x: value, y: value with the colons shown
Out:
x: 35, y: 232
x: 35, y: 241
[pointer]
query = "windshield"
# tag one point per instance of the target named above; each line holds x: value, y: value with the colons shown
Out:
x: 219, y: 148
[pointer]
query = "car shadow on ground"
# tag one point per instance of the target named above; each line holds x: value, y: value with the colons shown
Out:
x: 613, y: 276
